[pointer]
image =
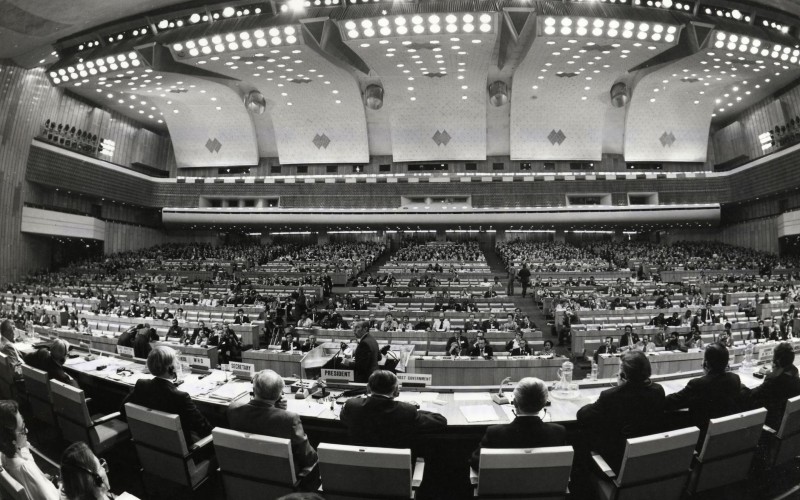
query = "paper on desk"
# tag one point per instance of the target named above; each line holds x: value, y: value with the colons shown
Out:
x: 472, y: 396
x: 417, y: 396
x: 198, y: 388
x: 87, y: 366
x: 479, y: 413
x: 432, y: 408
x: 230, y: 391
x: 509, y: 411
x: 309, y: 410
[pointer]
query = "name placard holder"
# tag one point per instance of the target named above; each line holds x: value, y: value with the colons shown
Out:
x: 125, y: 352
x: 197, y: 364
x: 765, y: 354
x: 242, y: 371
x: 415, y: 379
x: 337, y: 375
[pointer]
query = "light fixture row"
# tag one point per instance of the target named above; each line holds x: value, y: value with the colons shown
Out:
x: 432, y: 24
x: 754, y: 46
x: 234, y: 41
x: 91, y: 68
x: 610, y: 28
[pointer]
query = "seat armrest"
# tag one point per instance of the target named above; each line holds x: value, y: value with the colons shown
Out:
x: 45, y: 464
x: 106, y: 418
x: 769, y: 430
x: 603, y: 467
x: 419, y: 471
x: 473, y: 477
x: 198, y: 446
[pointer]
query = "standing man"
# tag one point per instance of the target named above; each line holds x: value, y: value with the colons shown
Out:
x: 524, y: 276
x: 367, y: 354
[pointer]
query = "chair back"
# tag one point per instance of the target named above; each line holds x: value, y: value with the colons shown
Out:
x: 72, y: 414
x: 789, y: 433
x: 525, y: 471
x: 657, y: 466
x: 10, y: 488
x: 728, y: 449
x: 159, y: 441
x: 364, y: 472
x: 254, y: 465
x: 38, y: 389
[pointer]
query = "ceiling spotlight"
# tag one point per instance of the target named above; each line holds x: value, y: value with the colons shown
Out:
x: 373, y: 97
x: 619, y: 95
x: 498, y: 93
x: 255, y: 102
x: 228, y: 11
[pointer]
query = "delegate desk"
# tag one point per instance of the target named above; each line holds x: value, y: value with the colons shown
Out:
x: 465, y: 371
x: 283, y: 363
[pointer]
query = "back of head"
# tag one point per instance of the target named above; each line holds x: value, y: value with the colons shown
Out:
x: 783, y: 356
x: 8, y: 427
x: 635, y: 367
x: 530, y: 395
x: 160, y: 361
x: 267, y: 385
x: 79, y: 472
x: 382, y: 382
x: 716, y: 358
x: 59, y: 349
x: 7, y: 330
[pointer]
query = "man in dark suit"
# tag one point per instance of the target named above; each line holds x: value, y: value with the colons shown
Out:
x: 779, y: 385
x: 481, y: 348
x: 527, y: 430
x: 175, y: 332
x: 289, y: 343
x: 628, y: 339
x: 715, y: 394
x: 379, y: 420
x: 310, y: 343
x: 607, y: 348
x: 633, y: 408
x: 166, y: 314
x: 200, y: 333
x: 141, y: 343
x: 457, y: 344
x: 367, y: 354
x: 161, y: 393
x: 266, y: 414
x: 51, y: 361
x: 126, y: 338
x: 240, y: 318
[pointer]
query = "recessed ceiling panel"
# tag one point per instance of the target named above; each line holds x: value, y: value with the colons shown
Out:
x: 434, y: 70
x: 561, y: 88
x: 671, y: 111
x: 314, y: 104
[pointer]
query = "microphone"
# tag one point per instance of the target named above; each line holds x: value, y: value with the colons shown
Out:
x: 500, y: 398
x: 385, y: 349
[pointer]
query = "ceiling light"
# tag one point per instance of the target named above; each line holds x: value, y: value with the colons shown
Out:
x: 228, y: 11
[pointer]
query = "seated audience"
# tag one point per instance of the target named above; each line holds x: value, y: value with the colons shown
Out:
x: 441, y: 324
x: 633, y: 408
x: 289, y: 343
x: 7, y: 346
x: 266, y: 414
x: 16, y: 458
x: 481, y: 348
x: 608, y: 347
x: 457, y: 344
x: 310, y: 343
x: 527, y: 430
x: 161, y: 393
x: 628, y: 339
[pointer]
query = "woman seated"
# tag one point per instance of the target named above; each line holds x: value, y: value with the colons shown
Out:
x: 83, y: 475
x: 16, y: 456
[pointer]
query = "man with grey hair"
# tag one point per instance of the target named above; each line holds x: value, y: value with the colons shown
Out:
x: 160, y: 393
x: 266, y: 414
x: 527, y: 430
x: 366, y: 355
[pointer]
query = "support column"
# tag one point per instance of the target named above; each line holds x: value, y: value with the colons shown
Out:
x: 323, y: 238
x: 560, y: 237
x: 440, y: 235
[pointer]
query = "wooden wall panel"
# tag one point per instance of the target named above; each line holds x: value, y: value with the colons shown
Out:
x: 126, y: 237
x: 760, y: 234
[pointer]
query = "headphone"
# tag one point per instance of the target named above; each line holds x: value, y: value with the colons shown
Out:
x: 98, y: 481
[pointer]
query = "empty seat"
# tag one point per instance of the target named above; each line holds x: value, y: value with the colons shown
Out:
x: 783, y: 444
x: 37, y: 388
x: 100, y: 432
x: 728, y: 450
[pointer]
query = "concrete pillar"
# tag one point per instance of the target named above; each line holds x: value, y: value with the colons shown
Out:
x: 323, y: 238
x: 560, y: 237
x: 440, y: 235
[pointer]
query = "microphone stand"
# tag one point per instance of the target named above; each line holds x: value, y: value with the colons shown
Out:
x: 500, y: 398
